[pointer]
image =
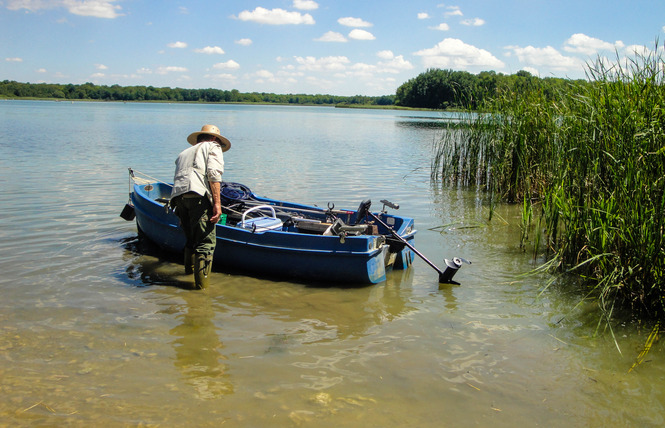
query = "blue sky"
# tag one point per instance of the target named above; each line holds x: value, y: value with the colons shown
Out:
x: 340, y: 47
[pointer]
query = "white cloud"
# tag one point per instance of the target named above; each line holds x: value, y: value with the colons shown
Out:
x: 171, y: 69
x: 455, y: 53
x: 532, y: 70
x: 423, y: 15
x: 97, y: 75
x: 475, y: 22
x: 441, y: 27
x: 305, y: 4
x: 545, y: 57
x: 144, y: 71
x: 221, y: 76
x: 385, y: 54
x: 15, y: 59
x: 357, y: 34
x: 360, y: 70
x: 93, y: 8
x: 228, y: 65
x: 329, y: 63
x: 101, y: 67
x: 395, y: 65
x: 353, y: 22
x: 581, y: 43
x: 210, y: 50
x: 331, y: 36
x: 637, y: 49
x: 453, y: 11
x: 177, y: 45
x: 41, y: 70
x: 244, y: 42
x: 276, y: 17
x: 265, y: 74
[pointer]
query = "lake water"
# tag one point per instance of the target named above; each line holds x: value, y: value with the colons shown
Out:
x: 95, y: 332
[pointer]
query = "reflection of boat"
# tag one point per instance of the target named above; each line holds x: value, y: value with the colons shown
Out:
x: 265, y: 236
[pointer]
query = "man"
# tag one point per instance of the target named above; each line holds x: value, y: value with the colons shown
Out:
x: 196, y: 198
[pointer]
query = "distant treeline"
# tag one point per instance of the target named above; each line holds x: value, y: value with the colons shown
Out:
x: 433, y: 89
x: 89, y: 91
x: 442, y: 89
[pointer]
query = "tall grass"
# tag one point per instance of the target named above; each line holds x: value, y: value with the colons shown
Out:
x: 588, y: 167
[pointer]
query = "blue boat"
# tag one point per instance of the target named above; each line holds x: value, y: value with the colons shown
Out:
x: 267, y: 237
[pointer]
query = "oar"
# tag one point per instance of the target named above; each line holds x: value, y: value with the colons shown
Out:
x: 452, y: 265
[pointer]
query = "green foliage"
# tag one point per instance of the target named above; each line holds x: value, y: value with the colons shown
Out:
x: 89, y: 91
x: 587, y: 159
x: 442, y: 89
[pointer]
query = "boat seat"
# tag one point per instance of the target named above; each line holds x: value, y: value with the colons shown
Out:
x: 263, y: 223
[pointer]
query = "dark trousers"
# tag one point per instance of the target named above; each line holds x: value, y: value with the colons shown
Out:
x: 194, y: 215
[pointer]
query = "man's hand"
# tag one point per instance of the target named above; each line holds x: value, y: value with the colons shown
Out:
x: 216, y: 201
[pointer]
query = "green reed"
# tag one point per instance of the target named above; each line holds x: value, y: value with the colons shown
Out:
x: 588, y: 169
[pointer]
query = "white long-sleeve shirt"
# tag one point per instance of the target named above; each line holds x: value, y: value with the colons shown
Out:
x: 196, y: 166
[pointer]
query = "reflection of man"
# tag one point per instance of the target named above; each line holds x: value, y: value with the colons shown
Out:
x: 196, y: 198
x: 197, y: 348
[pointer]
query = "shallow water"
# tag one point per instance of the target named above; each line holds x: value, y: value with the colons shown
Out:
x: 95, y: 328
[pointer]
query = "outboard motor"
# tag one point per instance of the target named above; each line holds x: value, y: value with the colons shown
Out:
x: 452, y: 266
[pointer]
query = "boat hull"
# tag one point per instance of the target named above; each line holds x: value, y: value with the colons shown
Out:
x: 283, y: 253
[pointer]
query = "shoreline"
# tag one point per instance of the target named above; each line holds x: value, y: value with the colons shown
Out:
x: 340, y: 105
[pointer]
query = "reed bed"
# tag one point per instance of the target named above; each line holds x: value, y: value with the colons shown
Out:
x: 588, y: 170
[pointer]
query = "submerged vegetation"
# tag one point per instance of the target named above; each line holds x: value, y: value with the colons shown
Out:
x: 588, y: 168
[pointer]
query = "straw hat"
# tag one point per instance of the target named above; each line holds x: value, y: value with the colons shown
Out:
x: 210, y: 130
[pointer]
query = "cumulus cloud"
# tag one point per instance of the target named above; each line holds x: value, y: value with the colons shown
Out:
x: 357, y: 34
x: 93, y: 8
x: 170, y: 69
x: 101, y: 67
x: 455, y: 53
x: 423, y: 15
x: 305, y: 4
x: 228, y: 65
x: 353, y: 22
x: 210, y: 50
x: 385, y: 54
x: 475, y: 22
x: 221, y: 76
x: 14, y: 59
x: 276, y: 17
x: 441, y: 27
x: 265, y: 74
x: 545, y: 57
x: 453, y: 11
x: 244, y: 42
x: 638, y: 49
x: 394, y: 65
x: 331, y: 36
x: 41, y: 70
x: 581, y: 43
x: 532, y: 70
x: 328, y: 63
x: 177, y: 45
x: 360, y: 70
